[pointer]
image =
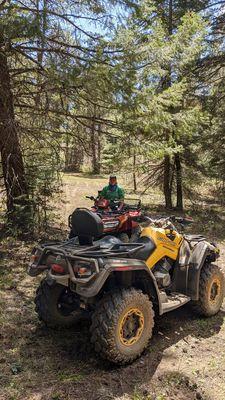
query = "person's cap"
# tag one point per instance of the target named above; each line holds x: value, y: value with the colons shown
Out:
x: 112, y: 176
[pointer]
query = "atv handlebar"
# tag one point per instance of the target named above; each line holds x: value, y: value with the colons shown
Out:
x: 91, y: 198
x: 181, y: 220
x: 112, y: 202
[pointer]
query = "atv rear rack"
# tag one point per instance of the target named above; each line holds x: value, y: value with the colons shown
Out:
x: 92, y: 255
x: 68, y: 249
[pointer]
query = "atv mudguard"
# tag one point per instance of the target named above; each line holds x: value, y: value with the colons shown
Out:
x: 187, y: 276
x: 119, y: 266
x: 92, y: 287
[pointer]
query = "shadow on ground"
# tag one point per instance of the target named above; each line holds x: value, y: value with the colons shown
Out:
x: 65, y: 361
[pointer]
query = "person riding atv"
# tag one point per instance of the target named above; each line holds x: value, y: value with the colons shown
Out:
x: 113, y: 192
x: 118, y: 218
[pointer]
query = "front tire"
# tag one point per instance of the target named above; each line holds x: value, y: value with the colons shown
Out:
x: 211, y: 291
x: 51, y: 307
x: 122, y: 325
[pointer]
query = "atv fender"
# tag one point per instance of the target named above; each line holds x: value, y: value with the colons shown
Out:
x: 91, y: 289
x: 201, y: 251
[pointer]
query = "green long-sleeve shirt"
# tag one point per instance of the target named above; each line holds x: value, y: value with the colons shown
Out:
x: 118, y: 194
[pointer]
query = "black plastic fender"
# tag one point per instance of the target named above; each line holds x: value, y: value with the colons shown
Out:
x: 116, y: 265
x: 201, y: 251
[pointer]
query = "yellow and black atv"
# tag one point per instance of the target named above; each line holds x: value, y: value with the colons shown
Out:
x: 121, y: 285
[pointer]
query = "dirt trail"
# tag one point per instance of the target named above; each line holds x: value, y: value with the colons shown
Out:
x: 185, y: 359
x: 76, y: 187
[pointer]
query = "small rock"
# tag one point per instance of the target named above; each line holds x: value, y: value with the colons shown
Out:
x: 16, y: 369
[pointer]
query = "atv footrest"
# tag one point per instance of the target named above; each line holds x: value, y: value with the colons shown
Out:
x: 172, y: 301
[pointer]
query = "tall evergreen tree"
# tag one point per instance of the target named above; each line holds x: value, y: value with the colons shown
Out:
x: 158, y: 97
x: 45, y: 49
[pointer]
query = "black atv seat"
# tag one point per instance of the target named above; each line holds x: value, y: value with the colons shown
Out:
x: 114, y: 247
x: 141, y: 254
x: 107, y: 241
x: 147, y: 250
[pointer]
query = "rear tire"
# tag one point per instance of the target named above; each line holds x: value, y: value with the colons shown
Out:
x: 47, y: 303
x: 211, y: 291
x: 122, y: 325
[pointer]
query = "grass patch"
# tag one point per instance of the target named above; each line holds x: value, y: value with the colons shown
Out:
x: 64, y: 377
x: 139, y: 396
x: 6, y: 278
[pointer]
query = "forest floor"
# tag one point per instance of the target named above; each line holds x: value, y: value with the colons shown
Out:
x: 185, y: 359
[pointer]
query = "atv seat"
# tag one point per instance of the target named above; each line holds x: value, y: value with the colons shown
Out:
x: 107, y: 241
x: 140, y: 253
x: 145, y: 252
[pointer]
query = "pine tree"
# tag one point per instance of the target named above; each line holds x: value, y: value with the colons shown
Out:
x: 159, y: 94
x: 45, y: 53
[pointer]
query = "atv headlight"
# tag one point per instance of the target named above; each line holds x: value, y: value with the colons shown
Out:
x: 110, y: 224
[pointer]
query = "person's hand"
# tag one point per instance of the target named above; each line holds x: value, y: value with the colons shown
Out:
x: 121, y: 205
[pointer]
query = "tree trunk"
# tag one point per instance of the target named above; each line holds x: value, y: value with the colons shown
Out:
x: 94, y: 149
x: 11, y: 156
x: 99, y: 148
x: 67, y: 162
x: 134, y: 172
x: 179, y: 182
x: 41, y: 19
x: 170, y: 24
x: 168, y: 178
x: 167, y: 184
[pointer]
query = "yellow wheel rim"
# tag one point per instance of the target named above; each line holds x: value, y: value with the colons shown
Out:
x: 131, y: 327
x: 214, y: 290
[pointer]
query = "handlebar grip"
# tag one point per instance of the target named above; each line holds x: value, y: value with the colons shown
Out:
x: 184, y: 220
x: 143, y: 218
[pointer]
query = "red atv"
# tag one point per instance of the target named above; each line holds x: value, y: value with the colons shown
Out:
x: 117, y: 220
